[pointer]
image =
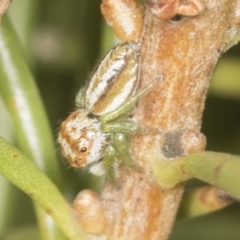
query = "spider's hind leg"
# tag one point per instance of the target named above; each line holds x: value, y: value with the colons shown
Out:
x: 122, y: 144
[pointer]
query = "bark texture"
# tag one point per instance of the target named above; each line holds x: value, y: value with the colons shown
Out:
x: 184, y: 50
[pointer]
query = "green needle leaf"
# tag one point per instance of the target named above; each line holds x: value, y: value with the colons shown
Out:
x: 218, y: 169
x: 25, y: 175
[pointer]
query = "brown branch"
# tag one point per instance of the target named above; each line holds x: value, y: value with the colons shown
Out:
x: 185, y: 51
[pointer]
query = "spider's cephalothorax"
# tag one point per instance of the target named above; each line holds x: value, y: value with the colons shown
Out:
x: 97, y: 133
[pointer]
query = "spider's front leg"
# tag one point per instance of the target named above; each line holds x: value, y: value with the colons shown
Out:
x: 121, y: 127
x: 122, y: 143
x: 116, y: 153
x: 126, y: 107
x: 126, y: 126
x: 110, y: 163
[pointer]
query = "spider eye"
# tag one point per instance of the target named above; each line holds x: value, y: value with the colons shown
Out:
x: 83, y: 149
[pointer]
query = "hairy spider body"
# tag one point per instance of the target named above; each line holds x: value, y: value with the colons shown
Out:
x: 97, y: 133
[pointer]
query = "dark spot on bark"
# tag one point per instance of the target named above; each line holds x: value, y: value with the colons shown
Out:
x: 177, y: 18
x: 172, y: 147
x: 138, y: 199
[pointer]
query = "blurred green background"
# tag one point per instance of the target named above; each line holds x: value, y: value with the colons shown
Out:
x: 63, y: 40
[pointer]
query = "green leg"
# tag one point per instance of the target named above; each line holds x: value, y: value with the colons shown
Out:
x: 125, y: 126
x: 117, y: 153
x: 122, y: 145
x: 109, y: 160
x: 125, y: 108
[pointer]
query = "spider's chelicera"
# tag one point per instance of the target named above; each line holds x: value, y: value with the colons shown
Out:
x: 97, y: 133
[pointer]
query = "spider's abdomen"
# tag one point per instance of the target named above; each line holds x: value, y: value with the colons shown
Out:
x: 81, y: 140
x: 114, y: 80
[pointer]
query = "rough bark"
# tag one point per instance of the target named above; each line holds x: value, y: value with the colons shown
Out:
x: 184, y: 51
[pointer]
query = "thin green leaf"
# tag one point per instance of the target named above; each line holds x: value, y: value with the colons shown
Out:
x: 20, y: 94
x: 31, y: 127
x: 219, y: 169
x: 25, y: 175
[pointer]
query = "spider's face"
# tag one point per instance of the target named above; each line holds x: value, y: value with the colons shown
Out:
x: 81, y: 140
